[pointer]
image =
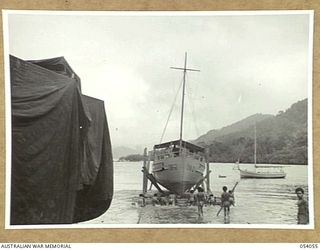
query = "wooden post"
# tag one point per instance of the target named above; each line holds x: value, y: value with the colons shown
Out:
x: 208, y: 170
x: 149, y: 160
x: 145, y: 180
x: 150, y: 154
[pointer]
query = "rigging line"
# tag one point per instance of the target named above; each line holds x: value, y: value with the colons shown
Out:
x: 174, y: 101
x: 193, y: 111
x: 242, y: 150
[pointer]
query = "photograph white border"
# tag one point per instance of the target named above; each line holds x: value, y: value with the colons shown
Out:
x: 8, y: 129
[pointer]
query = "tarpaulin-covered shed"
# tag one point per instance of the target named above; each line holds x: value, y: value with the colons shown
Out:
x: 62, y: 168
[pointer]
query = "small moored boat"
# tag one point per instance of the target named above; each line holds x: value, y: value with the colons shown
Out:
x: 266, y: 173
x: 262, y: 175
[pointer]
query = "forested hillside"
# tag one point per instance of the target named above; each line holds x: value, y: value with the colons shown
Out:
x: 281, y: 138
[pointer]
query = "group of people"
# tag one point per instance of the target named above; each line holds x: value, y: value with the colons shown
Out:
x: 156, y: 199
x: 200, y: 199
x: 227, y: 199
x: 164, y: 200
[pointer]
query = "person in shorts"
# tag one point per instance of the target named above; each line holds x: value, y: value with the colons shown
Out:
x: 191, y: 198
x: 200, y: 198
x: 225, y: 201
x: 231, y: 198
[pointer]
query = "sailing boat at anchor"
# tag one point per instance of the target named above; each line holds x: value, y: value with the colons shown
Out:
x: 260, y: 174
x: 179, y: 165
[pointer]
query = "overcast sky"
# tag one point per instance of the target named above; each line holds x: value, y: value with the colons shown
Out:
x: 249, y: 64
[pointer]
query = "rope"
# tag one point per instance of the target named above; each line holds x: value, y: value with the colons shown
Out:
x: 175, y: 98
x: 241, y: 151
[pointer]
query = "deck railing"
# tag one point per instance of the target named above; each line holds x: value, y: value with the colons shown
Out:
x: 166, y: 153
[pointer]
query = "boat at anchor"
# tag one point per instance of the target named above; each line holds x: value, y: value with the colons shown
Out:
x: 262, y: 175
x: 261, y: 171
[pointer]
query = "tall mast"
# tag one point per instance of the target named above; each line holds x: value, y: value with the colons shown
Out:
x: 182, y: 99
x: 185, y: 69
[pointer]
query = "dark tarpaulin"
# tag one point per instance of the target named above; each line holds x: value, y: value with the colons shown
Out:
x: 58, y: 65
x: 52, y: 129
x: 96, y: 194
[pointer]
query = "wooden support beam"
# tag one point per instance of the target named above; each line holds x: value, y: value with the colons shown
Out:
x: 201, y: 181
x: 152, y: 179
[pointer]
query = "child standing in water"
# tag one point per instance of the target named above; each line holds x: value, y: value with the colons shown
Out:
x: 200, y: 200
x: 231, y: 198
x: 225, y: 201
x: 191, y: 198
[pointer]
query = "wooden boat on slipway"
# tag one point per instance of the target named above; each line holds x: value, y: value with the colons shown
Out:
x: 179, y: 165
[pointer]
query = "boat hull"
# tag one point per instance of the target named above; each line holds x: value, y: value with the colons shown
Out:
x: 178, y: 174
x: 261, y: 175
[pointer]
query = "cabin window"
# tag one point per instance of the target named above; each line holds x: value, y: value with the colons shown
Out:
x: 173, y: 166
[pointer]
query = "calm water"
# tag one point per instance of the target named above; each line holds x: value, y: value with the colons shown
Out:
x: 258, y: 201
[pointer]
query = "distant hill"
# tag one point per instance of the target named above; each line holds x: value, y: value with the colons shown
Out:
x: 233, y: 128
x: 134, y: 157
x: 281, y: 138
x: 123, y: 151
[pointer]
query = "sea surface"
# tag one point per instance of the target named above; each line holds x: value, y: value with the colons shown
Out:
x: 257, y: 201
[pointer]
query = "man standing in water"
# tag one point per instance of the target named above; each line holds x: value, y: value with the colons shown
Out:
x: 303, y: 209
